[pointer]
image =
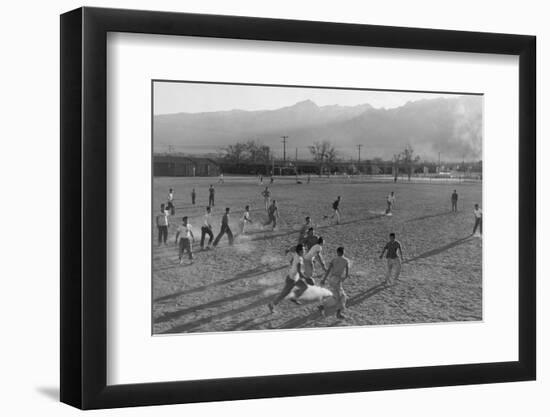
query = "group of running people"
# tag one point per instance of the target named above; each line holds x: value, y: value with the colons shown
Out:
x: 302, y: 257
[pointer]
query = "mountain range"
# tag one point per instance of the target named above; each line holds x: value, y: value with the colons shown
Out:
x: 450, y: 126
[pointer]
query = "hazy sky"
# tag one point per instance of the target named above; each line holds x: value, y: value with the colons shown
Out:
x: 176, y: 97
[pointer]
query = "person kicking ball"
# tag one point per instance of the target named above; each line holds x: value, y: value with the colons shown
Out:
x: 338, y: 271
x: 315, y: 253
x: 294, y: 277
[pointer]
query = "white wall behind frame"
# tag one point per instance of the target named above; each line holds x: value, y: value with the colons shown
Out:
x: 30, y: 127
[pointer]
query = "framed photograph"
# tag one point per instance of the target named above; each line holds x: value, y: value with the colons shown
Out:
x: 261, y: 208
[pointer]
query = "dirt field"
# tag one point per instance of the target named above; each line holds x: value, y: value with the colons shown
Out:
x: 228, y: 288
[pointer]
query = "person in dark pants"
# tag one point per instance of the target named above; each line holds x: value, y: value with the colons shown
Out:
x: 454, y: 201
x: 162, y: 225
x: 186, y: 233
x: 294, y: 277
x: 206, y: 228
x: 394, y: 257
x: 193, y: 196
x: 478, y: 219
x: 272, y: 215
x: 211, y: 193
x: 170, y: 205
x: 224, y: 229
x: 336, y: 209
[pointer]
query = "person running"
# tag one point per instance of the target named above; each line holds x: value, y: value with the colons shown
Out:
x: 224, y: 229
x: 390, y: 200
x: 293, y: 277
x: 311, y: 239
x: 454, y: 201
x: 245, y: 219
x: 392, y: 249
x: 206, y: 228
x: 302, y: 234
x: 271, y: 180
x: 266, y: 194
x: 162, y: 225
x: 211, y: 193
x: 303, y: 230
x: 272, y: 215
x: 338, y: 270
x: 336, y: 209
x: 186, y: 233
x: 220, y: 181
x: 193, y: 196
x: 170, y: 204
x: 315, y: 253
x: 478, y: 219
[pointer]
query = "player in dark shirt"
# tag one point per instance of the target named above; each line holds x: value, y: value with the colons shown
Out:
x: 310, y: 239
x: 211, y: 193
x: 224, y: 229
x: 336, y: 208
x: 454, y: 201
x: 394, y: 256
x: 272, y: 215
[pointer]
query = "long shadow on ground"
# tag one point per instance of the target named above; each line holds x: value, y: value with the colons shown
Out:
x: 211, y: 304
x: 437, y: 251
x: 197, y: 323
x: 259, y: 270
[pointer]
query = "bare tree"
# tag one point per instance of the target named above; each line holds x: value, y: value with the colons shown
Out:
x: 324, y: 153
x: 251, y: 152
x: 235, y: 153
x: 408, y: 159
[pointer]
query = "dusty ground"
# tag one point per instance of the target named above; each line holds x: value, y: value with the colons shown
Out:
x: 228, y: 288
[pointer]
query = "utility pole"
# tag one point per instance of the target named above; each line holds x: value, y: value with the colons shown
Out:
x: 359, y: 149
x: 439, y: 162
x: 284, y: 148
x: 296, y: 154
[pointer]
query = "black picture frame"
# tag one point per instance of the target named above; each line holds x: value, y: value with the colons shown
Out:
x: 84, y: 207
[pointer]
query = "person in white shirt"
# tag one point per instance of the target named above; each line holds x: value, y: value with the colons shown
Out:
x: 313, y: 254
x: 390, y: 200
x: 293, y: 277
x: 185, y: 234
x: 162, y: 225
x: 478, y: 219
x: 337, y: 273
x: 245, y: 219
x: 170, y: 205
x: 206, y: 228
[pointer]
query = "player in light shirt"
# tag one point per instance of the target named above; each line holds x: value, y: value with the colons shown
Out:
x: 206, y: 228
x: 245, y: 219
x: 293, y: 277
x: 185, y: 234
x: 390, y: 200
x: 337, y: 273
x: 170, y: 204
x: 313, y: 254
x: 478, y: 215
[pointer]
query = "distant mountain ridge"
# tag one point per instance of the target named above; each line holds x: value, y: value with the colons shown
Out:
x: 452, y: 126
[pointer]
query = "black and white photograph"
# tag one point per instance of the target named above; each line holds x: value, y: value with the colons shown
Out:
x: 291, y: 207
